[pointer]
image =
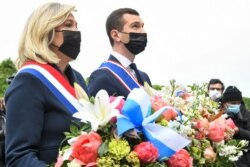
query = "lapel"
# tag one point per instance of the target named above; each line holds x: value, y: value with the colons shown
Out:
x: 112, y: 58
x: 140, y: 81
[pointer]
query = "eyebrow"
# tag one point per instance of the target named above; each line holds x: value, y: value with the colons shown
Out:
x: 137, y: 22
x: 71, y: 20
x: 212, y: 88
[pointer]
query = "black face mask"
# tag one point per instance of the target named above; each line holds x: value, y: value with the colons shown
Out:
x: 137, y: 42
x: 71, y: 43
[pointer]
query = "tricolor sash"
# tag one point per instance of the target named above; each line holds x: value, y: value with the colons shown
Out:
x: 122, y: 74
x: 55, y: 82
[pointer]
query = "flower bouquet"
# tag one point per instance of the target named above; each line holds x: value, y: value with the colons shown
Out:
x: 171, y: 125
x: 202, y: 122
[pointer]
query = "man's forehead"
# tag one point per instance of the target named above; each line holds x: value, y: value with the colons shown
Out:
x: 129, y: 18
x: 216, y: 85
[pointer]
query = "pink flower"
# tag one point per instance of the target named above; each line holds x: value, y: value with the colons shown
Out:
x: 157, y: 102
x: 120, y: 105
x: 180, y: 159
x: 169, y: 115
x: 230, y: 123
x: 146, y: 152
x: 202, y: 124
x: 230, y: 129
x: 185, y: 96
x: 59, y: 161
x: 209, y: 154
x: 216, y: 131
x: 85, y: 149
x: 200, y: 135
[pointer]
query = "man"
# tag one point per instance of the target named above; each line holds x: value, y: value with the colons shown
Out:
x: 235, y: 109
x: 215, y: 89
x: 119, y: 75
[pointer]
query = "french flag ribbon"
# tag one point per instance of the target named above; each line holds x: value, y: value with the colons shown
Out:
x: 122, y: 74
x: 55, y: 82
x: 136, y: 113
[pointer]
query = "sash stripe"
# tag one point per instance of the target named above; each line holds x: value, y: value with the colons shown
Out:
x: 124, y: 84
x: 121, y: 73
x: 58, y: 87
x: 57, y: 75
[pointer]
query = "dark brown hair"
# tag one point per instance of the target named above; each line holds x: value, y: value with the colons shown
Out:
x: 115, y: 21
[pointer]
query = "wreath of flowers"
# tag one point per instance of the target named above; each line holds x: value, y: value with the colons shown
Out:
x: 172, y: 126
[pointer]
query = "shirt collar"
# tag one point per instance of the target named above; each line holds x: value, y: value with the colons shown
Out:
x: 123, y: 60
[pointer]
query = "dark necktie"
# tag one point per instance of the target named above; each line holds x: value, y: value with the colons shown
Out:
x: 133, y: 66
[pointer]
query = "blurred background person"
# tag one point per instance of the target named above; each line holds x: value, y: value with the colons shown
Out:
x: 235, y: 109
x: 215, y: 89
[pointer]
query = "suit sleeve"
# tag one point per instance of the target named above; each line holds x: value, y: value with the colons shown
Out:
x: 24, y: 121
x: 100, y: 79
x: 244, y: 133
x: 146, y: 78
x: 243, y: 124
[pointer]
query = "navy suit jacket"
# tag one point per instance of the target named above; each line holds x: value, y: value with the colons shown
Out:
x: 104, y: 79
x: 36, y: 121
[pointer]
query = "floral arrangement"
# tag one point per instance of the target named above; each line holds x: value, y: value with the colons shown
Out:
x: 171, y: 126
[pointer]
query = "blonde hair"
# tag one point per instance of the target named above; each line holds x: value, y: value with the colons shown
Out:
x: 39, y: 33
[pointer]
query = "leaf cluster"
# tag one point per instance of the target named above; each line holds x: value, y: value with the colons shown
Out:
x: 7, y: 69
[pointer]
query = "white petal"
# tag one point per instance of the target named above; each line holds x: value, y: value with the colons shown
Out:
x: 80, y: 93
x: 67, y: 154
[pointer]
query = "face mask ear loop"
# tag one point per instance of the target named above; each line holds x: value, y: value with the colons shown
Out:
x: 58, y: 30
x: 54, y: 45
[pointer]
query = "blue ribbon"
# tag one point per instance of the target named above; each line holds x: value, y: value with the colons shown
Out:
x: 136, y: 114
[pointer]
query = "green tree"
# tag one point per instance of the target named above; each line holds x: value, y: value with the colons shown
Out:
x: 7, y: 68
x: 247, y: 102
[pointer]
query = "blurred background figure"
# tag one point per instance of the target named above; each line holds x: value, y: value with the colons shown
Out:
x: 235, y: 108
x: 215, y: 89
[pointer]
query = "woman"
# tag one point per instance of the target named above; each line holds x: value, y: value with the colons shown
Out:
x: 41, y: 99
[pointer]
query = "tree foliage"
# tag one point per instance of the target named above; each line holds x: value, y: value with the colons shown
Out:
x: 7, y: 68
x: 247, y: 102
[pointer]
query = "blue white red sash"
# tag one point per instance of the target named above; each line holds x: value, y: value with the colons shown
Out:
x: 122, y: 74
x: 55, y: 82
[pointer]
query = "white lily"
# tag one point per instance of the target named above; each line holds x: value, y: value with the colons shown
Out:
x: 149, y: 90
x: 80, y: 93
x: 99, y: 113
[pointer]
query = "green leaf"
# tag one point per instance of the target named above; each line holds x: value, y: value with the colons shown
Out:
x: 7, y: 69
x: 74, y: 129
x: 103, y: 149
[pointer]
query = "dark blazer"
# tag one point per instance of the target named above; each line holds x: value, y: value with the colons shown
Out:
x: 104, y: 79
x: 242, y: 121
x: 36, y: 121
